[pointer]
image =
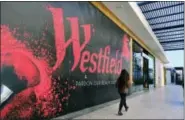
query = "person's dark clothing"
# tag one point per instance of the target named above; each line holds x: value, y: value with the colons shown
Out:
x: 123, y: 101
x: 123, y: 85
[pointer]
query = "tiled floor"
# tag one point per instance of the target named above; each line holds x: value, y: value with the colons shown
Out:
x: 162, y: 103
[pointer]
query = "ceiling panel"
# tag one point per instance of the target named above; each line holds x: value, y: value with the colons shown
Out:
x: 170, y: 30
x: 171, y: 37
x: 167, y: 22
x: 175, y: 39
x: 170, y: 33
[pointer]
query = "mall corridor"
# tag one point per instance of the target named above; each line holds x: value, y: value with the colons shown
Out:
x: 161, y: 103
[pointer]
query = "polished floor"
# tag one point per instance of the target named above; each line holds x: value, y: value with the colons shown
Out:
x: 161, y: 103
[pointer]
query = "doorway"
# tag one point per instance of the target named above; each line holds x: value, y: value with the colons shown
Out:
x: 145, y: 73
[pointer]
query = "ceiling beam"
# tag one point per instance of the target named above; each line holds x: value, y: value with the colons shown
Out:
x: 162, y: 42
x: 167, y: 21
x: 163, y: 8
x: 166, y: 15
x: 169, y: 35
x: 182, y: 38
x: 173, y: 49
x: 158, y: 32
x: 173, y: 46
x: 170, y: 38
x: 169, y: 27
x: 165, y: 38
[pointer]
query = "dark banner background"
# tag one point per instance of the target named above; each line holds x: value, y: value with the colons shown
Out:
x: 33, y: 18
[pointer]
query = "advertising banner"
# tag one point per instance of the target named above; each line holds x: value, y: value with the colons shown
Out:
x: 58, y: 57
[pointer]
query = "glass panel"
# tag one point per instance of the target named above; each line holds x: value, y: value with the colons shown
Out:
x: 139, y: 54
x: 151, y: 69
x: 137, y: 64
x: 179, y: 74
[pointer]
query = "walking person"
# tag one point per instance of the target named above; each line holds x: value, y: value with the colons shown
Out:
x: 123, y: 84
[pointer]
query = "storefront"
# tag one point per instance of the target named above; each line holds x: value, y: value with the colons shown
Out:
x: 143, y: 68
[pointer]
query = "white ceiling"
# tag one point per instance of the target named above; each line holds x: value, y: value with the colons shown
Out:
x: 130, y: 14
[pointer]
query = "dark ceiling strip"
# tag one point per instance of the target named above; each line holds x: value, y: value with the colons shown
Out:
x: 158, y: 32
x: 162, y: 8
x: 172, y: 41
x: 164, y: 39
x: 169, y: 27
x: 145, y: 3
x: 168, y: 48
x: 166, y: 15
x: 173, y: 45
x: 167, y: 21
x: 174, y: 49
x: 182, y: 38
x: 170, y: 35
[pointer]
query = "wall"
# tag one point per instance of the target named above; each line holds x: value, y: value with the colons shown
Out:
x: 159, y: 67
x: 58, y: 57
